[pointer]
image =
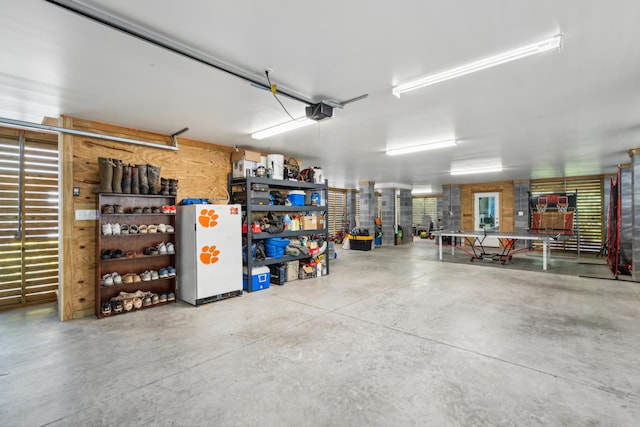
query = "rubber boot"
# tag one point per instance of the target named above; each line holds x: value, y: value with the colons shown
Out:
x: 173, y: 187
x: 126, y: 179
x: 135, y: 180
x: 153, y: 176
x: 117, y: 176
x: 106, y: 174
x: 164, y: 186
x: 143, y: 180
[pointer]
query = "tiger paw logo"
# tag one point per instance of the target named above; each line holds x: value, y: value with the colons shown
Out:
x: 209, y: 255
x: 208, y: 218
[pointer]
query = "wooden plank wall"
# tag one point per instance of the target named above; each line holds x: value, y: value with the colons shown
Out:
x: 506, y: 191
x: 200, y: 167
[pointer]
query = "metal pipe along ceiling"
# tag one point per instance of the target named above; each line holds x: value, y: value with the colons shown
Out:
x: 31, y: 125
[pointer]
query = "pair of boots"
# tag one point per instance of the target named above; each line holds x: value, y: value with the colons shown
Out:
x: 148, y: 177
x: 168, y: 187
x: 117, y: 178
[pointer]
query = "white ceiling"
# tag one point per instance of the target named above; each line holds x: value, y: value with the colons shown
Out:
x: 569, y: 113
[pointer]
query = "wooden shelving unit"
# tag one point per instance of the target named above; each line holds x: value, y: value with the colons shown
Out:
x: 133, y: 246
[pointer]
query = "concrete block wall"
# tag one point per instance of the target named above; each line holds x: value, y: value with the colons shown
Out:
x: 448, y: 203
x: 406, y: 215
x: 351, y: 209
x: 368, y: 205
x: 388, y: 215
x: 521, y: 204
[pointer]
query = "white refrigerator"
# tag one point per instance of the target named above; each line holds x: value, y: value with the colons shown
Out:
x: 209, y: 253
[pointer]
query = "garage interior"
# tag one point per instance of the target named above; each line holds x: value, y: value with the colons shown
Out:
x: 415, y: 114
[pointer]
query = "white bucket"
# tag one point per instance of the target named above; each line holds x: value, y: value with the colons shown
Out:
x: 275, y: 162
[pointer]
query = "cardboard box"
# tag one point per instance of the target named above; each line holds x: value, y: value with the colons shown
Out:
x: 307, y: 272
x: 292, y: 270
x: 243, y: 160
x: 309, y: 223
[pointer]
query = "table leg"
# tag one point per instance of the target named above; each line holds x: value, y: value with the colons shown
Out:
x: 440, y: 246
x: 545, y: 248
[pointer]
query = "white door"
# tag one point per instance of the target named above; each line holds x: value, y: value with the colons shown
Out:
x: 487, y: 215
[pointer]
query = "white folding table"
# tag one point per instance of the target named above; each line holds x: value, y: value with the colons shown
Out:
x: 508, y: 244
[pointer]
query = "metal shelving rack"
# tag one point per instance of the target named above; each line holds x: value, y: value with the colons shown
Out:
x: 279, y: 184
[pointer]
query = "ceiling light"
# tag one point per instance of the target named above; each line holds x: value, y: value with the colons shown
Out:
x: 282, y: 128
x: 522, y: 52
x: 421, y: 147
x: 477, y: 170
x: 426, y: 189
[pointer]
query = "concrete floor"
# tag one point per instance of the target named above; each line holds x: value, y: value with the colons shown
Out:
x: 391, y: 337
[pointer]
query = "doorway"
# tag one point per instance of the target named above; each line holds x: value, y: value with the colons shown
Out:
x: 487, y: 215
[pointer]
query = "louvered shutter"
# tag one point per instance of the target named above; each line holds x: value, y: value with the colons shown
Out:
x: 589, y: 217
x: 29, y: 204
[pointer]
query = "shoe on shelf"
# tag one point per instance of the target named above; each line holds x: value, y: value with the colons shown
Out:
x: 154, y: 275
x: 170, y: 229
x: 152, y: 229
x: 137, y: 303
x: 106, y: 254
x: 127, y: 278
x: 117, y: 279
x: 172, y: 209
x: 137, y: 278
x: 146, y: 210
x: 171, y: 296
x: 124, y: 229
x: 107, y: 209
x: 127, y: 304
x: 143, y: 229
x: 171, y: 271
x: 118, y: 209
x: 162, y: 228
x: 170, y: 248
x: 116, y: 305
x: 137, y: 210
x: 162, y: 248
x: 117, y: 253
x: 155, y: 299
x: 166, y: 209
x: 133, y: 229
x: 151, y: 251
x: 164, y: 273
x: 107, y: 280
x: 106, y: 308
x: 115, y: 228
x: 146, y: 302
x: 146, y: 276
x: 155, y: 210
x: 107, y: 230
x: 163, y: 297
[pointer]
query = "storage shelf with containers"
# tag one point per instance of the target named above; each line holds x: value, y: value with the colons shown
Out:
x: 253, y: 193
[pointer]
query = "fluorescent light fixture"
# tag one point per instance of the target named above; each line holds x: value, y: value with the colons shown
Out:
x: 421, y: 147
x: 282, y: 128
x: 502, y: 58
x: 423, y: 189
x: 476, y: 170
